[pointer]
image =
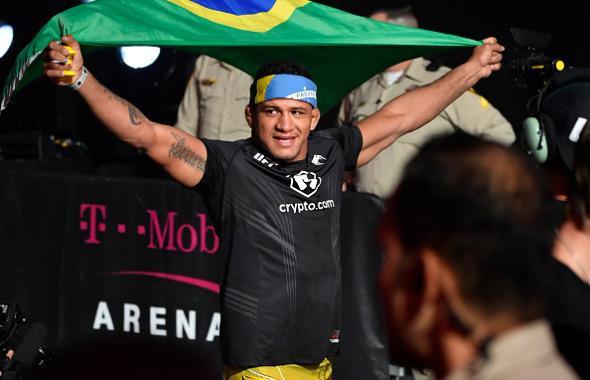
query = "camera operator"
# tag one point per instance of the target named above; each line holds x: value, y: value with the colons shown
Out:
x: 557, y: 136
x: 22, y: 344
x: 564, y: 113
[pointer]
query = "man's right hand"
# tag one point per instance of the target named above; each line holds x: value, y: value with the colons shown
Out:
x: 488, y: 56
x: 56, y: 66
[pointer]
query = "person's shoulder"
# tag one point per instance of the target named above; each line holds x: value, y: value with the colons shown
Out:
x: 326, y: 134
x: 366, y: 87
x: 226, y: 145
x: 425, y: 70
x: 372, y: 81
x: 204, y: 65
x: 566, y: 278
x: 205, y: 60
x: 474, y: 102
x: 335, y: 134
x: 214, y: 65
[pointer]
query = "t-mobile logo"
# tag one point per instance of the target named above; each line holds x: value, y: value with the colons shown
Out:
x: 306, y: 183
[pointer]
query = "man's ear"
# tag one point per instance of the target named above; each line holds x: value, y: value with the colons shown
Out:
x: 421, y: 279
x: 459, y: 317
x: 433, y: 270
x: 422, y: 304
x: 315, y: 118
x: 418, y: 280
x: 249, y: 114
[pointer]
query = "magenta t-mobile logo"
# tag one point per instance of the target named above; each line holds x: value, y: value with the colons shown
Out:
x: 96, y: 216
x: 162, y: 230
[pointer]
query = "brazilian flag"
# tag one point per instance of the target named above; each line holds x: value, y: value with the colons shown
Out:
x: 339, y: 49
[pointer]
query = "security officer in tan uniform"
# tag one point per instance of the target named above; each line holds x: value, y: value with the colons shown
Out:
x: 471, y: 113
x: 214, y: 101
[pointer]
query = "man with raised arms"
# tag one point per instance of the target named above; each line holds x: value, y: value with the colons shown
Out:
x: 275, y: 200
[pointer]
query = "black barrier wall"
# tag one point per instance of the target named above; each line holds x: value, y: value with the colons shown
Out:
x: 88, y: 256
x: 93, y: 257
x: 364, y: 348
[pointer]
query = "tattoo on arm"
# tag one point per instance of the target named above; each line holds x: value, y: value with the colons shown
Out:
x: 181, y: 152
x: 134, y: 114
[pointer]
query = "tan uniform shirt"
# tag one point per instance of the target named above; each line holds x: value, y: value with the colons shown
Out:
x: 470, y: 112
x: 525, y: 353
x: 214, y: 101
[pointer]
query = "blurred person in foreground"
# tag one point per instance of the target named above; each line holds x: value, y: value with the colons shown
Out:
x: 468, y: 239
x: 470, y: 113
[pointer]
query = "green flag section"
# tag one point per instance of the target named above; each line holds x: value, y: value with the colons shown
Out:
x: 339, y: 49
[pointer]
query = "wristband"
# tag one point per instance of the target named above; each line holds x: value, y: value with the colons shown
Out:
x: 77, y: 84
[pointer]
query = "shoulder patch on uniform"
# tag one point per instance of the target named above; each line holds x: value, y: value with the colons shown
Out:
x: 208, y: 81
x: 483, y: 102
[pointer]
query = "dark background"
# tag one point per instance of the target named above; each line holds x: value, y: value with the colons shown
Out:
x: 41, y: 110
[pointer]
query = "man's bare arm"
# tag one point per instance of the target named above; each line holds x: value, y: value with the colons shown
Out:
x: 182, y: 155
x: 417, y: 107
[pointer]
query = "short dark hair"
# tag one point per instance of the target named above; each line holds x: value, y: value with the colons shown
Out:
x: 395, y: 12
x: 579, y: 205
x: 278, y: 66
x: 401, y: 15
x: 484, y: 210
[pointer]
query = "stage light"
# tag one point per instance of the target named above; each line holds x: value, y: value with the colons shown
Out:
x: 6, y: 35
x: 139, y: 57
x: 87, y: 1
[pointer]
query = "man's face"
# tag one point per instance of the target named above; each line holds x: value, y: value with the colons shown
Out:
x: 282, y: 126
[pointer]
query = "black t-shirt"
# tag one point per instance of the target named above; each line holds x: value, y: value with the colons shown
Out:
x: 568, y: 303
x: 279, y: 228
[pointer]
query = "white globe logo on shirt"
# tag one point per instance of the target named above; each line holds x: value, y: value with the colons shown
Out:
x: 306, y: 183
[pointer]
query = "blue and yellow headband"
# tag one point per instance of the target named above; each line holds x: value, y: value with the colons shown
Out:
x: 286, y: 86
